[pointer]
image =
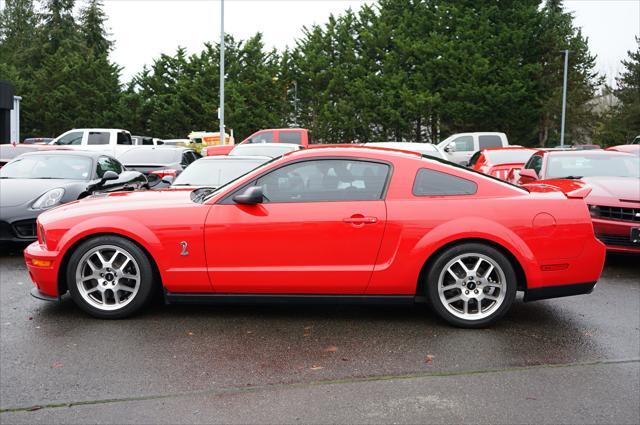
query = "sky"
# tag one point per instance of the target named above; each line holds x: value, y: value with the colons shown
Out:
x: 143, y: 29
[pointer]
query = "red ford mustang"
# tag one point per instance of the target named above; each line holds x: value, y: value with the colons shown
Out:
x: 333, y: 224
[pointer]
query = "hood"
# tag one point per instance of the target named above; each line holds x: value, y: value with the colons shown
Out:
x: 618, y: 188
x: 14, y: 192
x: 145, y: 201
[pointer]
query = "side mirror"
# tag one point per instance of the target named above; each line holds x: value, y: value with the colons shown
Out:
x: 109, y: 175
x: 450, y: 148
x: 251, y: 196
x: 528, y: 174
x: 168, y: 179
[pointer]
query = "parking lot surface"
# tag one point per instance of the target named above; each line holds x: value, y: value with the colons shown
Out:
x: 566, y: 360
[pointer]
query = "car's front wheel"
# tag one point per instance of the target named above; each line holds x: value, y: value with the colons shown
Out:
x: 109, y: 277
x: 471, y: 285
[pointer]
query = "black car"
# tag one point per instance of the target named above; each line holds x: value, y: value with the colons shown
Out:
x: 159, y: 163
x: 36, y: 181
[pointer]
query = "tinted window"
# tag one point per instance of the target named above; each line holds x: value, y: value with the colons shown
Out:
x: 147, y: 141
x: 108, y: 164
x: 436, y: 183
x: 291, y: 137
x: 124, y: 139
x: 49, y: 167
x: 325, y: 180
x: 139, y: 156
x: 98, y: 138
x: 535, y: 163
x: 74, y: 138
x: 463, y: 143
x: 266, y: 137
x: 489, y: 142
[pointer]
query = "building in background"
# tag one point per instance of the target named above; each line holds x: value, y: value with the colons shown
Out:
x: 9, y: 114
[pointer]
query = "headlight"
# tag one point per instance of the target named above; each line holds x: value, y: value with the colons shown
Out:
x: 594, y: 210
x: 49, y: 199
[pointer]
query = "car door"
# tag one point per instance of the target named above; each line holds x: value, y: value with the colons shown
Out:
x: 98, y: 141
x: 318, y: 230
x: 462, y: 149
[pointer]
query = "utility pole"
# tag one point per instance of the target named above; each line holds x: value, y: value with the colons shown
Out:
x: 564, y: 97
x: 221, y: 109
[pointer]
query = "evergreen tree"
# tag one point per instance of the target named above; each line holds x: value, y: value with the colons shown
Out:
x: 92, y: 28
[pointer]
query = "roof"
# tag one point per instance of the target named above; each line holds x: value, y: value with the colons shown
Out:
x: 584, y: 153
x: 511, y: 147
x: 67, y: 152
x: 235, y: 158
x: 352, y: 150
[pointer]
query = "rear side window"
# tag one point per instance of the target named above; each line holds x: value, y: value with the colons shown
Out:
x: 489, y: 142
x: 98, y: 138
x: 435, y: 183
x: 535, y: 163
x: 291, y: 137
x: 125, y: 139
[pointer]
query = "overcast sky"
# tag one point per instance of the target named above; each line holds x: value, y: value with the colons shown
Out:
x: 143, y: 29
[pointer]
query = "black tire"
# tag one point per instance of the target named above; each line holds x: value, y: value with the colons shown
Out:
x: 438, y: 268
x: 139, y: 299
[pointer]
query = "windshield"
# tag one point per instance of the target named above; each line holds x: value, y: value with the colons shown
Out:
x: 208, y: 172
x: 150, y: 156
x: 48, y: 167
x: 576, y: 166
x: 271, y: 151
x: 509, y: 156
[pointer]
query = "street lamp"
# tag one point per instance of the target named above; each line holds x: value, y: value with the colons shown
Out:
x: 221, y: 110
x: 564, y: 97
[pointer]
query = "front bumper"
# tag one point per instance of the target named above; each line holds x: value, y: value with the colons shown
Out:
x: 616, y: 235
x: 45, y: 278
x: 18, y: 231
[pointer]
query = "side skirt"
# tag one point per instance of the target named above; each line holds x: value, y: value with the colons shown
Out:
x: 215, y: 298
x: 535, y: 294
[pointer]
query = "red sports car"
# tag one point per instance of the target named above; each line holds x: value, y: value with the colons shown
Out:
x: 498, y: 162
x: 348, y: 224
x: 614, y: 201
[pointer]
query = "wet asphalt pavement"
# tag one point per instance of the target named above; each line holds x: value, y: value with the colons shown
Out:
x: 566, y: 360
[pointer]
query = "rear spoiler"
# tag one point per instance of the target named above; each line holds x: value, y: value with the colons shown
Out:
x: 572, y: 189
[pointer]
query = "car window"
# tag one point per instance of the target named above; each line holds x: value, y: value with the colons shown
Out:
x: 108, y: 164
x: 216, y: 172
x: 124, y: 138
x: 74, y: 138
x: 266, y: 137
x: 436, y: 183
x: 535, y: 163
x: 474, y: 159
x: 489, y: 141
x: 271, y: 150
x: 98, y: 138
x: 325, y: 180
x: 147, y: 141
x: 463, y: 143
x: 562, y: 166
x: 48, y: 167
x: 291, y: 137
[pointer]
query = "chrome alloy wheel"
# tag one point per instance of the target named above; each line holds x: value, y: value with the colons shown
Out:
x: 108, y: 277
x: 472, y: 286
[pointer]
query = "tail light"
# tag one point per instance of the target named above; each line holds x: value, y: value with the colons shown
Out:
x: 164, y: 173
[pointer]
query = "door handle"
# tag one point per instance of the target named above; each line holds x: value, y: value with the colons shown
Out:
x: 360, y: 219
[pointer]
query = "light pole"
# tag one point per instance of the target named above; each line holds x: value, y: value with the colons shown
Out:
x: 564, y: 97
x: 221, y: 109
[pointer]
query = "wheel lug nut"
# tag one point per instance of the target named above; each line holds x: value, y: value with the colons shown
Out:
x: 464, y: 283
x: 475, y: 292
x: 466, y: 292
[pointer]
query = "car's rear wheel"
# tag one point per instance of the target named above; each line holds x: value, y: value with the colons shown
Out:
x: 471, y: 285
x: 110, y: 277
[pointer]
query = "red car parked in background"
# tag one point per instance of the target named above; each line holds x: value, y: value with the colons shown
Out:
x: 614, y: 201
x: 298, y: 136
x: 337, y: 224
x: 498, y: 162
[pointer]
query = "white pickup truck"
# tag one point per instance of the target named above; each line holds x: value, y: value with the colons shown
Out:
x: 111, y: 141
x: 459, y: 147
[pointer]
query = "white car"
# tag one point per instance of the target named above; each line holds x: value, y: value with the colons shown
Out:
x: 110, y: 141
x: 461, y: 146
x: 215, y: 171
x: 428, y: 149
x: 270, y: 150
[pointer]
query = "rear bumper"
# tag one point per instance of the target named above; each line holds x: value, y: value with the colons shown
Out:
x: 616, y: 235
x: 535, y: 294
x: 45, y: 279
